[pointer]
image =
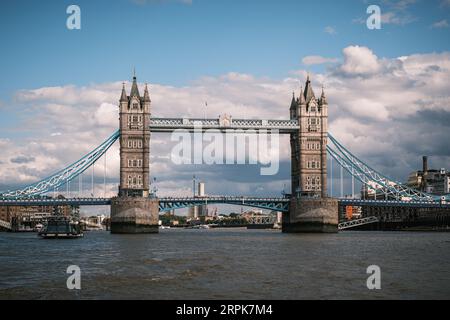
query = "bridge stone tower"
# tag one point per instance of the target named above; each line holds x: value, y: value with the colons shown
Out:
x: 133, y: 211
x: 309, y: 145
x: 310, y: 209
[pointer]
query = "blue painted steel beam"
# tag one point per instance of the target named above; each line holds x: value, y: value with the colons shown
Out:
x: 276, y: 204
x: 167, y: 204
x: 56, y: 202
x: 393, y: 203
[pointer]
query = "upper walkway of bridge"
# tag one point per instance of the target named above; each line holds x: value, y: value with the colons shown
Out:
x: 192, y: 124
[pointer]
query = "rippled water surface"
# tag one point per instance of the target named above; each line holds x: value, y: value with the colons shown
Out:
x: 227, y: 264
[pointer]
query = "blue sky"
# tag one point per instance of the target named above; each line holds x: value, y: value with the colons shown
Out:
x: 59, y: 88
x: 174, y: 42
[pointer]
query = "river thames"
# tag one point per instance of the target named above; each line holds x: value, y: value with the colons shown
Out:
x: 227, y: 264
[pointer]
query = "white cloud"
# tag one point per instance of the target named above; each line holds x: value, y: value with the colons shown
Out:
x: 391, y: 18
x: 312, y: 60
x: 106, y: 115
x: 440, y: 24
x: 400, y: 4
x: 330, y: 30
x: 393, y: 12
x: 359, y: 61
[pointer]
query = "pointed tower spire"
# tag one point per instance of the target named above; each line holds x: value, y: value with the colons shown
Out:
x: 293, y: 102
x: 134, y: 88
x: 293, y: 108
x: 309, y: 93
x: 323, y: 98
x: 146, y: 94
x: 123, y: 97
x: 302, y: 96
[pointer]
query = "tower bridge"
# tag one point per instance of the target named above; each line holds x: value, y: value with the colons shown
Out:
x: 308, y: 209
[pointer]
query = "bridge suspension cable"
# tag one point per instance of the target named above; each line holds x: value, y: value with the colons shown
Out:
x: 65, y: 175
x: 372, y: 178
x: 348, y: 161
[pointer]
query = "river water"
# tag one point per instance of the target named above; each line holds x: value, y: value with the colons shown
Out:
x: 227, y: 264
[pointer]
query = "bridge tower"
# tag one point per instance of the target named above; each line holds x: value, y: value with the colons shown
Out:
x: 133, y: 211
x: 134, y: 142
x: 309, y: 145
x: 310, y: 209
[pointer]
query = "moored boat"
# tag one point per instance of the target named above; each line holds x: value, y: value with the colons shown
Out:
x: 60, y: 228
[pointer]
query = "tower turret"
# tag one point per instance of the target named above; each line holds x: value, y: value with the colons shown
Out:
x: 146, y: 94
x: 323, y: 99
x: 301, y: 100
x: 123, y: 97
x: 293, y: 108
x: 309, y: 93
x: 134, y: 89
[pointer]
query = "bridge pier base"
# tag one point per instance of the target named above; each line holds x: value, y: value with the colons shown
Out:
x: 311, y: 216
x: 134, y: 215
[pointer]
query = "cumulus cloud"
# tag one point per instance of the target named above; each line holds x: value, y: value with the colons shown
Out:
x: 312, y: 60
x: 359, y: 61
x: 388, y: 111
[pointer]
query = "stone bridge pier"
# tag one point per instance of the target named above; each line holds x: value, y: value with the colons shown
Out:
x: 134, y: 215
x: 311, y: 216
